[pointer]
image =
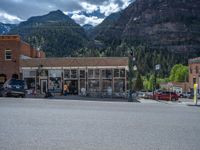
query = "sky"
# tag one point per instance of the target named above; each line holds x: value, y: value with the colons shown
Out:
x: 82, y: 11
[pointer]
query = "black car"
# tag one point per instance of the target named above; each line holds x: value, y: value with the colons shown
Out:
x: 13, y: 87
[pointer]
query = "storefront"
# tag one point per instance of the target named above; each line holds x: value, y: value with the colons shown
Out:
x: 91, y: 76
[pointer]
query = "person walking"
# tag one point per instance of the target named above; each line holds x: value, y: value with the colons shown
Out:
x: 66, y: 89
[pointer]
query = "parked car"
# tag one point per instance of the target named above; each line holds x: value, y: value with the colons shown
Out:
x: 1, y: 89
x: 145, y: 95
x: 14, y: 87
x: 187, y: 94
x: 169, y: 96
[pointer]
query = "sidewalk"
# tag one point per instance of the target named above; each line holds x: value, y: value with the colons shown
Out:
x: 77, y: 97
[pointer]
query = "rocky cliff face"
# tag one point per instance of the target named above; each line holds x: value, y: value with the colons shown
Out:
x: 161, y: 24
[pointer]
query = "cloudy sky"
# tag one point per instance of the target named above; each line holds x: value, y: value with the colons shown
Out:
x: 82, y: 11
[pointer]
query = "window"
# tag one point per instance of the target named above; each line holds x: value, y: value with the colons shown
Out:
x: 73, y: 74
x: 93, y: 73
x: 190, y: 69
x: 67, y: 74
x: 82, y: 73
x: 107, y: 73
x: 116, y: 73
x: 119, y: 73
x: 197, y: 69
x: 194, y: 80
x: 8, y: 55
x: 29, y: 73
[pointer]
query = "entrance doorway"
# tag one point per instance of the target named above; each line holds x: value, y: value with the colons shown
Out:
x: 43, y: 88
x: 73, y: 86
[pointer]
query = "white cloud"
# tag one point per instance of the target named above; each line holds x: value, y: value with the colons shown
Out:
x: 109, y: 7
x: 126, y: 3
x: 89, y: 8
x: 82, y: 19
x: 7, y: 18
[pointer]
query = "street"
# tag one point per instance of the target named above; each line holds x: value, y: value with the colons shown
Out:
x: 51, y: 124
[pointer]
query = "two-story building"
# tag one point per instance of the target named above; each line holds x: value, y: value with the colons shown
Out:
x: 12, y: 49
x: 194, y: 72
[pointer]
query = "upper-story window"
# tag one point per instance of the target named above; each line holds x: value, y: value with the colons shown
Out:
x: 197, y: 69
x: 190, y: 69
x: 8, y: 54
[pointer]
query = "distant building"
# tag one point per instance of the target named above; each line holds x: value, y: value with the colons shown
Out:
x: 178, y: 87
x: 194, y: 72
x: 12, y: 49
x: 106, y: 76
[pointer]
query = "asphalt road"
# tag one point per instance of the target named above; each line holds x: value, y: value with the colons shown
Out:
x: 29, y: 124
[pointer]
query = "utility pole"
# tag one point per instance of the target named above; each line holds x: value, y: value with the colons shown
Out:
x: 132, y: 67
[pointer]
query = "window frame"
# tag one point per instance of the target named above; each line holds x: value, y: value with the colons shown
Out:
x: 5, y: 56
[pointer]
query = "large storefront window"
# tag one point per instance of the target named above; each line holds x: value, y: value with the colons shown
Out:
x: 55, y: 84
x: 30, y: 80
x: 107, y: 86
x: 119, y: 86
x: 93, y: 86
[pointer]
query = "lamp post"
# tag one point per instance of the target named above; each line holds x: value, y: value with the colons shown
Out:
x: 132, y: 68
x: 157, y: 68
x: 39, y: 71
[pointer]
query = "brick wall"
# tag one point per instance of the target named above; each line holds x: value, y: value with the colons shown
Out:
x: 194, y: 74
x: 9, y: 67
x: 18, y: 48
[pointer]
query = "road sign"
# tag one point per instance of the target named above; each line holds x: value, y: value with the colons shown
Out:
x: 157, y: 67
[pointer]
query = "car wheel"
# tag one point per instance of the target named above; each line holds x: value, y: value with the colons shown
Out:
x: 173, y: 99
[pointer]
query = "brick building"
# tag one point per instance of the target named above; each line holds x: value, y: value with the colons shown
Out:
x: 12, y: 49
x: 194, y: 72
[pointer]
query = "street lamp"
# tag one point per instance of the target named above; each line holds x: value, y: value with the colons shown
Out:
x: 132, y: 68
x: 38, y: 73
x: 157, y: 68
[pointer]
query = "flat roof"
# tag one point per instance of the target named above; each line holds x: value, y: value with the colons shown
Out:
x: 9, y: 37
x: 194, y: 60
x: 75, y: 62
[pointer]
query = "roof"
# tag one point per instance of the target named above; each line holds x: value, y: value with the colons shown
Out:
x: 9, y: 37
x: 75, y: 62
x: 194, y: 60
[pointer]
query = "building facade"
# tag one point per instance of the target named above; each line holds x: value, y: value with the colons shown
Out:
x: 12, y: 49
x: 88, y: 75
x: 177, y: 87
x: 194, y: 72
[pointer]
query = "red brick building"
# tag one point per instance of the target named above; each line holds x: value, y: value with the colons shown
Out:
x: 194, y: 72
x: 12, y: 49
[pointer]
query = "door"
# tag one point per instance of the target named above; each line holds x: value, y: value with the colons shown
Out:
x: 43, y: 86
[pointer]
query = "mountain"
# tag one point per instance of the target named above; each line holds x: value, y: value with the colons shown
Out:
x: 106, y: 24
x: 5, y: 28
x: 161, y: 24
x: 55, y: 33
x: 168, y: 31
x: 88, y: 27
